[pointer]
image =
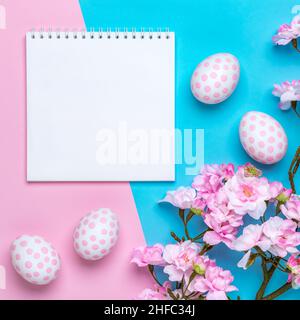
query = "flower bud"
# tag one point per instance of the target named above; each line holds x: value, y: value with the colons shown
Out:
x: 199, y: 269
x: 197, y: 212
x: 251, y: 171
x: 284, y: 196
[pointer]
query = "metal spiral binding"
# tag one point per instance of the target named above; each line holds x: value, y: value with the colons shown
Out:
x: 117, y: 33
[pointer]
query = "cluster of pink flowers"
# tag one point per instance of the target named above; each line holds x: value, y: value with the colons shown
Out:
x: 226, y: 197
x: 222, y: 197
x: 182, y: 263
x: 288, y: 33
x: 211, y: 179
x: 288, y: 92
x: 276, y: 235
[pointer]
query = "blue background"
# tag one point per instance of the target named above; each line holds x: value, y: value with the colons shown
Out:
x: 243, y: 28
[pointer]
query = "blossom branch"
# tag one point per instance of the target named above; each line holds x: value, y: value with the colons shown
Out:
x: 288, y: 33
x: 151, y: 270
x: 186, y: 219
x: 293, y: 169
x: 205, y: 249
x: 294, y: 107
x: 287, y: 286
x: 185, y: 222
x: 200, y: 236
x: 295, y: 44
x: 267, y: 274
x: 175, y: 237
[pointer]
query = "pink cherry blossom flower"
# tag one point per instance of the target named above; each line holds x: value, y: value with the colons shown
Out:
x: 216, y: 283
x: 222, y: 233
x: 293, y: 265
x: 282, y: 236
x: 276, y: 235
x: 182, y: 198
x: 291, y: 209
x: 284, y: 35
x: 222, y: 221
x: 250, y: 238
x: 212, y: 178
x: 217, y: 207
x: 296, y: 282
x: 276, y: 188
x: 199, y: 203
x: 295, y: 25
x: 158, y: 293
x: 287, y: 92
x: 144, y: 256
x: 180, y: 258
x: 247, y: 195
x: 287, y: 33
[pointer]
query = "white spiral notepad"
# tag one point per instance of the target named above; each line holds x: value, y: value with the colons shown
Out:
x: 100, y: 106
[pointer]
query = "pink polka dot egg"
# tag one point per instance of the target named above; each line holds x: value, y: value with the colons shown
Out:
x: 215, y: 78
x: 262, y: 137
x: 35, y: 259
x: 96, y: 234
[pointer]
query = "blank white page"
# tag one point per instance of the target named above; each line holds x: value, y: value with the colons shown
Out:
x: 100, y: 109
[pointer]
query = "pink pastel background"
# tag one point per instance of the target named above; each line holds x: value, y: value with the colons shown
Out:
x: 52, y: 210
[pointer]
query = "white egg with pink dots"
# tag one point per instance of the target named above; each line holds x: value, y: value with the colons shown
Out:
x: 215, y: 78
x: 35, y: 259
x: 96, y: 234
x: 263, y: 137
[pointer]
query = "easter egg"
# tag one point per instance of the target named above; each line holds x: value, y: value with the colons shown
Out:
x: 262, y: 137
x: 35, y: 259
x: 215, y: 78
x: 96, y: 234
